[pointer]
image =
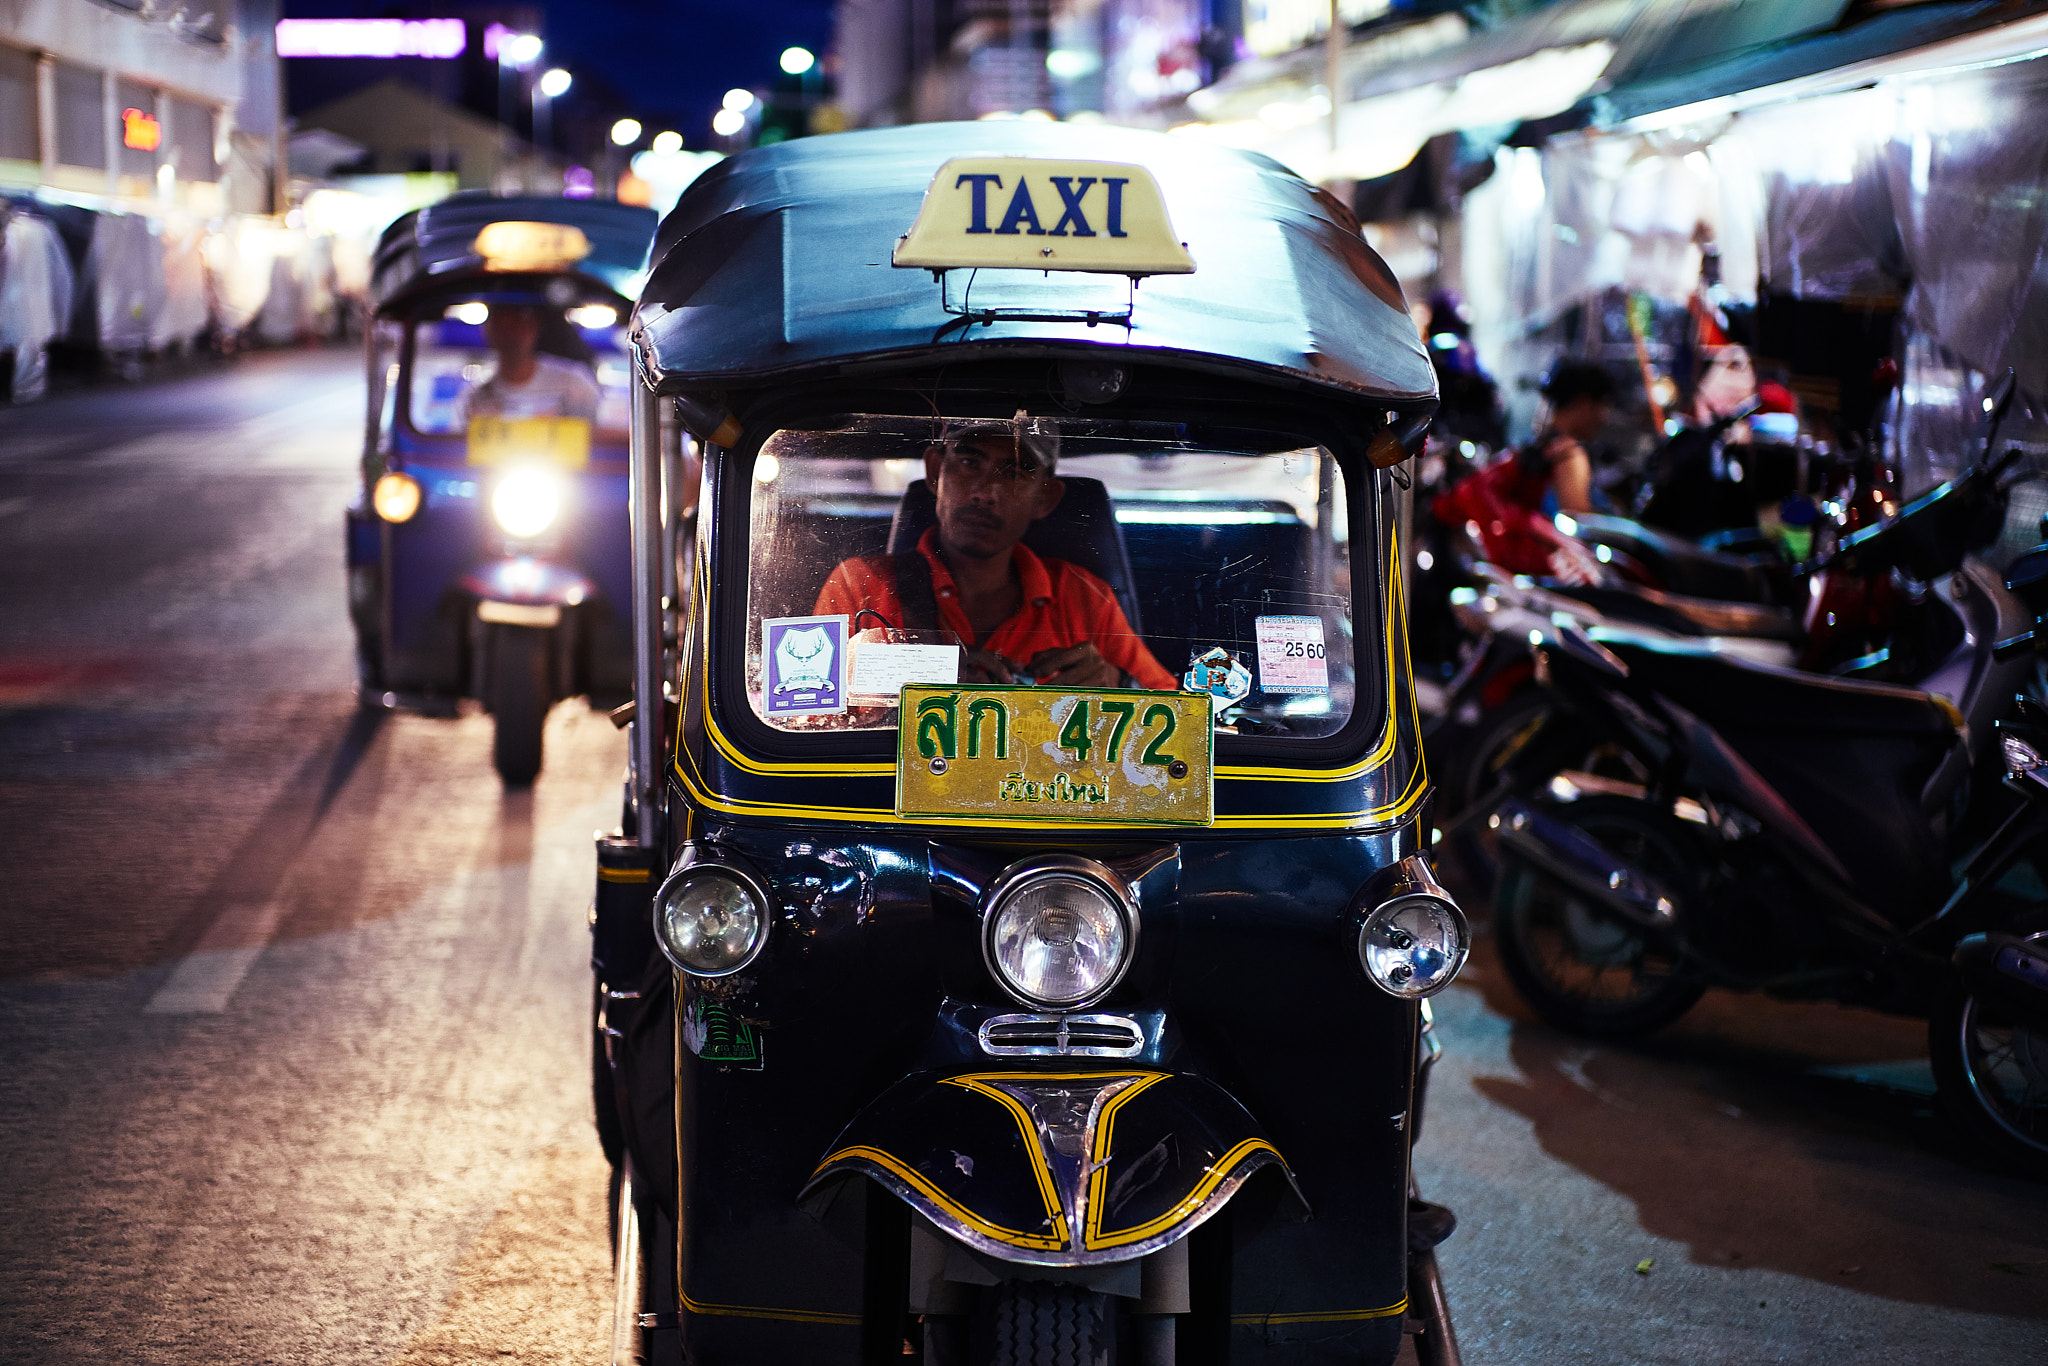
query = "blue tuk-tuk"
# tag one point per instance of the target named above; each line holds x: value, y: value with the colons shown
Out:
x: 488, y: 555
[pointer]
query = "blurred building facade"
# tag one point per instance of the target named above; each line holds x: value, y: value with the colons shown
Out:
x: 141, y: 103
x: 396, y: 128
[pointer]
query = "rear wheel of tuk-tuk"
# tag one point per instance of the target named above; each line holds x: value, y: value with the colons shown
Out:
x: 518, y: 671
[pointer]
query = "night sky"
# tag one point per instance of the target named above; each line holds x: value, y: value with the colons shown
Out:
x: 666, y: 62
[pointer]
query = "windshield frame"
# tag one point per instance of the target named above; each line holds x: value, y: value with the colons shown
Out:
x: 522, y: 289
x: 729, y: 553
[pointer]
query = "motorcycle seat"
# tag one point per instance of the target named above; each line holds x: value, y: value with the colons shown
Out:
x: 1865, y: 765
x: 1683, y: 615
x: 1738, y: 694
x: 1678, y: 564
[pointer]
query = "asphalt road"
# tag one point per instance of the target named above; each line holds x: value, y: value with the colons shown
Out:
x: 292, y: 1061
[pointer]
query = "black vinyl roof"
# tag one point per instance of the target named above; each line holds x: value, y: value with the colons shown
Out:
x: 423, y: 247
x: 777, y: 261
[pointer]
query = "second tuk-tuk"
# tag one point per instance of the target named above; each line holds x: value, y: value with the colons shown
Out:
x: 487, y: 548
x: 1015, y: 945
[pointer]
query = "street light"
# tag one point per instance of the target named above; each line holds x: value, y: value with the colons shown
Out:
x: 797, y: 60
x: 516, y: 52
x: 727, y: 122
x: 625, y: 132
x: 739, y: 101
x: 666, y: 144
x: 553, y: 82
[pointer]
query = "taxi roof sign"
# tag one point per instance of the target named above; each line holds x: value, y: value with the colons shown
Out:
x: 1030, y: 213
x: 525, y: 246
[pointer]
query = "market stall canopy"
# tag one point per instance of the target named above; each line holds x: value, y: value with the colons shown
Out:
x: 779, y: 260
x: 1402, y: 85
x: 599, y: 238
x: 1902, y: 42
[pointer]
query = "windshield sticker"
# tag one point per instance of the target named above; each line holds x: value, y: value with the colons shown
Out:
x: 880, y: 669
x: 1292, y: 657
x: 1218, y: 674
x: 806, y: 665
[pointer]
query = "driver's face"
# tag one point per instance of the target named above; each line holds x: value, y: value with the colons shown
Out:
x: 512, y: 330
x: 987, y: 496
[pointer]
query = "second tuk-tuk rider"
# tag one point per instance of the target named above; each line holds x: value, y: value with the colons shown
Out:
x: 528, y: 382
x: 1020, y: 617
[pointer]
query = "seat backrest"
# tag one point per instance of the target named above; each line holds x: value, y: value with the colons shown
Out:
x: 1082, y: 530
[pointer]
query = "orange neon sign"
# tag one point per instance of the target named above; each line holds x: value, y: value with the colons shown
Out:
x: 140, y: 131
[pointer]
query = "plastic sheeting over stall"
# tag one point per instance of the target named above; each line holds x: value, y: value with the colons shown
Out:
x: 1922, y: 191
x: 35, y: 300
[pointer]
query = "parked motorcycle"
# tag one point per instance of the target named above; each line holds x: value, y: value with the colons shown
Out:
x: 1779, y: 831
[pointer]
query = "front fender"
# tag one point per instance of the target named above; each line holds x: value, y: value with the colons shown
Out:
x: 1054, y: 1168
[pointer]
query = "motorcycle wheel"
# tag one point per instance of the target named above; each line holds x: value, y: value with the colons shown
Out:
x: 1991, y: 1076
x: 519, y: 702
x: 1040, y: 1323
x: 1579, y: 968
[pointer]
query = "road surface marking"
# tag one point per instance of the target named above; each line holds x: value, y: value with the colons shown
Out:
x: 202, y: 984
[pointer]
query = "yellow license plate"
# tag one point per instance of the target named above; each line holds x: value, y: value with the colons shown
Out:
x: 1113, y: 755
x: 563, y: 441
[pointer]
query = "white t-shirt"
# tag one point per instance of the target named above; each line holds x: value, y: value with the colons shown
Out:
x: 557, y: 388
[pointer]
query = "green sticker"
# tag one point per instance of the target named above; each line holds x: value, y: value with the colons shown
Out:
x: 717, y: 1035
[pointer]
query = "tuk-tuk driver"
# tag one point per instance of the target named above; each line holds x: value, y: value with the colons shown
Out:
x: 528, y: 382
x: 1021, y: 617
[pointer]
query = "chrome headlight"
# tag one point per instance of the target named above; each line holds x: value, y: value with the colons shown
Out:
x: 1059, y: 933
x: 1413, y: 945
x: 527, y: 501
x: 711, y: 920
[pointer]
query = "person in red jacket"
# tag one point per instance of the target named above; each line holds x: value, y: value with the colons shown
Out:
x: 1505, y: 501
x: 1020, y: 617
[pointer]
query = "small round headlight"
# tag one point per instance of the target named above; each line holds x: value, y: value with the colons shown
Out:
x: 396, y: 497
x: 526, y: 501
x: 710, y: 921
x: 1413, y: 945
x: 1058, y: 936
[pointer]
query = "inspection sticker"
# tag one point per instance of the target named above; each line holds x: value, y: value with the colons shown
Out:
x: 1292, y: 657
x: 806, y: 659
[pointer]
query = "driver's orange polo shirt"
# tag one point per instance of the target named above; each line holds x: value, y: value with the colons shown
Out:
x: 1063, y: 605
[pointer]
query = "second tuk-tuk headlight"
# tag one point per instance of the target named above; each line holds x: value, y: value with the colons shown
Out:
x: 710, y: 920
x: 396, y: 496
x: 1059, y: 934
x: 1413, y: 945
x: 527, y: 501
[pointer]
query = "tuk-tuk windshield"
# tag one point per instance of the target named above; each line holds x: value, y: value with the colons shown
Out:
x: 520, y: 358
x: 1059, y: 552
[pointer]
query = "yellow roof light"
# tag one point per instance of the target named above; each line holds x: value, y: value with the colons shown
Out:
x: 514, y: 246
x: 1032, y: 214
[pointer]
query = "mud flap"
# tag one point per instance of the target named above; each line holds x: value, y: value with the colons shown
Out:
x: 1055, y: 1168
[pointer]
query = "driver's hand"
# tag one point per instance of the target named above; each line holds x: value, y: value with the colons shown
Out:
x: 983, y: 666
x: 1077, y: 666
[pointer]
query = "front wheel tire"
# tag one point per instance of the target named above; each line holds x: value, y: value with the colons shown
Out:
x: 519, y: 702
x: 1040, y: 1323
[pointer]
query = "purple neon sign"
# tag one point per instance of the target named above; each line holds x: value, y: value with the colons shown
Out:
x: 371, y: 38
